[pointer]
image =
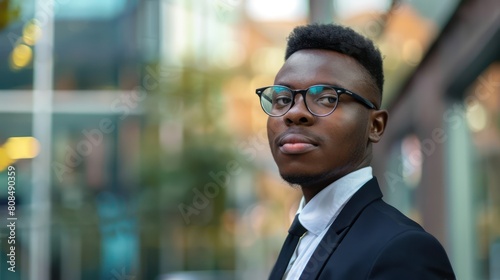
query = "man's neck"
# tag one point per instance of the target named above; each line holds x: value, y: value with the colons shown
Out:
x: 311, y: 190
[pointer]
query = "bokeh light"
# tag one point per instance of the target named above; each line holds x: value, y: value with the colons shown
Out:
x: 21, y: 56
x: 477, y: 117
x: 31, y: 32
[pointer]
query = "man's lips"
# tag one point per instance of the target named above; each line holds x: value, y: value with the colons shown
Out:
x: 293, y: 143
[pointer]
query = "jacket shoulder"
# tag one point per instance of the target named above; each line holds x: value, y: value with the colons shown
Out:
x: 385, y: 244
x: 412, y: 254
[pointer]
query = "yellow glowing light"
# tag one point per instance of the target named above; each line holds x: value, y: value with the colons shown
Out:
x: 21, y: 56
x: 22, y: 147
x: 31, y: 32
x: 477, y: 117
x: 412, y: 52
x: 5, y: 160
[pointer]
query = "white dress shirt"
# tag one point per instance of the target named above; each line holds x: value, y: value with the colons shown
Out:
x: 319, y: 213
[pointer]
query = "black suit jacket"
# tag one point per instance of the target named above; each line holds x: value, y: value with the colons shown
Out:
x: 372, y: 240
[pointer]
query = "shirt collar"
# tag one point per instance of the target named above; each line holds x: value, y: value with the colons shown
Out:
x: 320, y: 212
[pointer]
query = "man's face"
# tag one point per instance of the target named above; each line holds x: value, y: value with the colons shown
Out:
x: 315, y: 151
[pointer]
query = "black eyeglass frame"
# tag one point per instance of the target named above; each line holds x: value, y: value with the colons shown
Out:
x: 303, y: 92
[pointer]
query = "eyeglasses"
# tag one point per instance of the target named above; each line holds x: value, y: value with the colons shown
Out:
x: 320, y: 100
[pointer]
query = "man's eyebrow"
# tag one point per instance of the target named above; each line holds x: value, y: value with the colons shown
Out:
x: 315, y: 84
x: 333, y: 84
x: 283, y: 85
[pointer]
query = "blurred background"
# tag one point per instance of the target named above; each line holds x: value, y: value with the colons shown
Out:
x: 139, y: 148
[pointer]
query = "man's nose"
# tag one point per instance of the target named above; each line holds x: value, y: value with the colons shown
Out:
x: 298, y: 113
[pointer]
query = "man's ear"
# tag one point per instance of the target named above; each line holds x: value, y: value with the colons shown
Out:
x: 378, y: 121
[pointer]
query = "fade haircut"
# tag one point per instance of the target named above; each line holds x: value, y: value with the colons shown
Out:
x: 340, y: 39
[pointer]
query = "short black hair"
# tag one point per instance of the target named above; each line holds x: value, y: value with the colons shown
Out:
x: 340, y: 39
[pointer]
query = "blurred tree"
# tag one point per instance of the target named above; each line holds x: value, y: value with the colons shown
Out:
x: 10, y: 11
x: 185, y: 144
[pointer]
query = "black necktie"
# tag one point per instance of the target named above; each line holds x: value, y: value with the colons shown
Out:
x: 294, y: 233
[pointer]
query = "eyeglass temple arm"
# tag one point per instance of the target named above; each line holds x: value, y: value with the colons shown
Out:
x: 361, y: 99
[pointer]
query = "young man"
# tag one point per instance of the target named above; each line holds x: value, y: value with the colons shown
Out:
x: 324, y: 115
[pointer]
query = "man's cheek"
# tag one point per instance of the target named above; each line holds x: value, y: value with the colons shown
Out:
x: 271, y: 132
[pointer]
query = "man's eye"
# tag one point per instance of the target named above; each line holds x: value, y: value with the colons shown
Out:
x: 327, y: 100
x: 282, y: 101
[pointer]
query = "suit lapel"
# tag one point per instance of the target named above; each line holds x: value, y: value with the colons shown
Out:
x: 368, y: 193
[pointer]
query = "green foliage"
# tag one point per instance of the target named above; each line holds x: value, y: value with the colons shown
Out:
x: 9, y: 12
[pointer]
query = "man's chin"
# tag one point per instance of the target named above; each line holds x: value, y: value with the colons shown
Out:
x: 304, y: 180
